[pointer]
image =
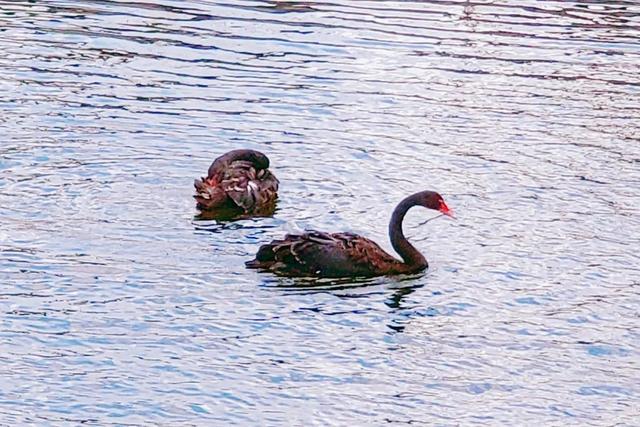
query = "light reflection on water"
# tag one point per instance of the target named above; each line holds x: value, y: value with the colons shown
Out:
x: 118, y: 307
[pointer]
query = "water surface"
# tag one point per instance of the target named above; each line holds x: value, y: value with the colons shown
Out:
x: 119, y: 308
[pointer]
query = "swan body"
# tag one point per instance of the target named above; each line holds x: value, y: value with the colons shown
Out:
x: 320, y: 254
x: 239, y: 180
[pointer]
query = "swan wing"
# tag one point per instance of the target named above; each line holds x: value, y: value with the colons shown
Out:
x: 316, y: 253
x: 249, y: 187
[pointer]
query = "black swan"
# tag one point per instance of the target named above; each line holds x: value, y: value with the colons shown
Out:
x: 320, y: 254
x: 238, y: 181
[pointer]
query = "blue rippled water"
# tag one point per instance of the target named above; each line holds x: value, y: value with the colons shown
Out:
x: 118, y: 307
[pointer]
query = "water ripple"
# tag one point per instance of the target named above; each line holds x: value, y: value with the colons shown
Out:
x: 121, y: 307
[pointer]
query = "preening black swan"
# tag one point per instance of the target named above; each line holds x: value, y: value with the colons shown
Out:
x: 239, y: 180
x: 320, y: 254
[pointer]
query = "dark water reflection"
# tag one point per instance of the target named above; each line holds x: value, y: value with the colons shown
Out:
x: 119, y: 308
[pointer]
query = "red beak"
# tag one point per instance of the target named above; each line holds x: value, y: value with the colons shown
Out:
x: 445, y: 210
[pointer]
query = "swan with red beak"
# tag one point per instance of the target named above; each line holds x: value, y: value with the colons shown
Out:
x: 320, y: 254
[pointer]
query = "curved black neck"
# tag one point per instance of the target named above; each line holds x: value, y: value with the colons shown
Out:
x: 410, y: 255
x: 259, y: 160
